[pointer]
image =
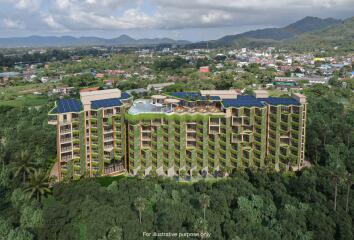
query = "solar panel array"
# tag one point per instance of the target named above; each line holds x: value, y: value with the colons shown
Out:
x: 251, y: 101
x: 104, y: 103
x: 280, y: 101
x: 193, y: 96
x: 68, y: 105
x: 242, y: 101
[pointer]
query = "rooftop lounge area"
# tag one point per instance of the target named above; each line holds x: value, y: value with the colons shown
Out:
x: 164, y: 104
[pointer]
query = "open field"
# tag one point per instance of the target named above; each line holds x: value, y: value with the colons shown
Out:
x: 17, y: 96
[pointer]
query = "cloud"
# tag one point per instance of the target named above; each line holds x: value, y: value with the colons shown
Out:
x: 12, y: 24
x: 29, y: 5
x: 54, y: 24
x: 109, y: 15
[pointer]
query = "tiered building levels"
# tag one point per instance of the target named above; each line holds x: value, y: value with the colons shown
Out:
x: 178, y: 133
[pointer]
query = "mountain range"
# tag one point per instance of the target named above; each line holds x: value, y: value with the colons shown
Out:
x: 307, y: 33
x: 123, y: 40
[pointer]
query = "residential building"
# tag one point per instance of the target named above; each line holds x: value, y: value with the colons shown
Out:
x: 190, y: 133
x: 91, y: 133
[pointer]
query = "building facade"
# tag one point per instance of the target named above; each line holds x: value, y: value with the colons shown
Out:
x: 181, y: 133
x: 91, y: 134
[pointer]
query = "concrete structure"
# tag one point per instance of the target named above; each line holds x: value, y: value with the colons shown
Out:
x: 158, y: 86
x: 187, y: 132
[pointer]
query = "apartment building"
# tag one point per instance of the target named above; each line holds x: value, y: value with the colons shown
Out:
x: 91, y: 133
x: 182, y: 133
x: 208, y: 131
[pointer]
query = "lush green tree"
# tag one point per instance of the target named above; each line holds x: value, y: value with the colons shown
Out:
x: 38, y: 185
x: 31, y: 217
x: 23, y: 166
x: 5, y: 228
x: 20, y: 234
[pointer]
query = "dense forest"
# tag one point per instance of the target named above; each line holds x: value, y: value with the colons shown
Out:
x: 316, y: 203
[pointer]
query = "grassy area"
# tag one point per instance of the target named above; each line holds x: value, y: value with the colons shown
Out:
x: 26, y: 100
x: 23, y: 95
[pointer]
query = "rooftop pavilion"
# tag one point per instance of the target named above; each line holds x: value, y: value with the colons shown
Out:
x: 93, y: 96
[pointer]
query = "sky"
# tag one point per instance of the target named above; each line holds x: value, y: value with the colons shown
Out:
x: 192, y: 20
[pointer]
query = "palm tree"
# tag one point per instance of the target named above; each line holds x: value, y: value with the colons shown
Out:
x: 349, y: 185
x: 139, y: 205
x: 201, y: 226
x: 335, y: 179
x: 23, y: 166
x: 38, y: 185
x: 337, y: 169
x: 204, y: 201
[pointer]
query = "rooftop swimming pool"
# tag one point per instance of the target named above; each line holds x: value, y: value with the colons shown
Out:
x: 147, y: 106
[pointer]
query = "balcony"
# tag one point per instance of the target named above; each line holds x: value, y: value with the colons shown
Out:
x: 108, y: 148
x: 65, y: 131
x: 114, y: 168
x: 67, y: 149
x: 52, y: 120
x: 66, y: 158
x: 214, y: 130
x: 191, y: 144
x: 107, y: 130
x: 65, y: 140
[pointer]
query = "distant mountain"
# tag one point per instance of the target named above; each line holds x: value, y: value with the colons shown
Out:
x: 123, y: 40
x: 340, y: 35
x: 272, y: 35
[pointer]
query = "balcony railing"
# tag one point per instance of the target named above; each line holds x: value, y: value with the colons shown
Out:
x: 65, y: 131
x: 66, y: 149
x: 114, y: 168
x: 66, y: 158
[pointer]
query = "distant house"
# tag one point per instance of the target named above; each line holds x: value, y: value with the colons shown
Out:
x: 4, y: 81
x: 99, y: 75
x: 292, y: 81
x: 44, y: 79
x: 116, y: 72
x: 108, y: 82
x: 62, y: 90
x: 352, y: 75
x: 158, y: 86
x: 285, y: 68
x: 204, y: 69
x: 316, y: 80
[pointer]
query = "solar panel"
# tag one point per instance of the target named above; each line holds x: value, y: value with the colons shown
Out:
x: 111, y: 102
x: 242, y: 101
x: 280, y: 101
x: 68, y: 105
x: 124, y: 96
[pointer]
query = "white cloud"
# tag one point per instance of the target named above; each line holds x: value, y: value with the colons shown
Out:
x: 11, y: 24
x: 54, y: 24
x: 28, y: 5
